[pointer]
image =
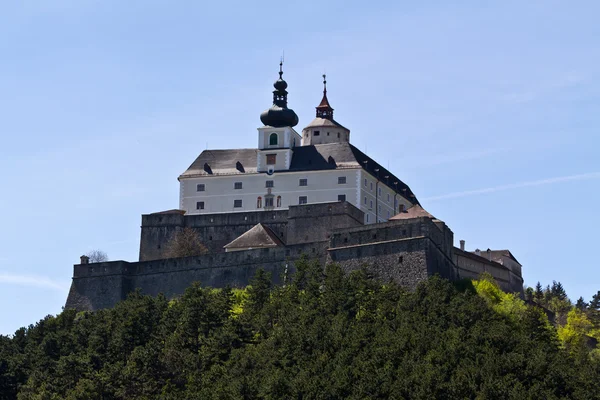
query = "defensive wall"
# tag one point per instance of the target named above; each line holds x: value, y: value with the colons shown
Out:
x: 299, y: 224
x: 405, y: 251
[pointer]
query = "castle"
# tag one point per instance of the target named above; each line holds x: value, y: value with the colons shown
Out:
x: 312, y: 194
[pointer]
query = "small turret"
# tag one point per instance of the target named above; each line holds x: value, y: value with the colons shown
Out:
x: 324, y: 129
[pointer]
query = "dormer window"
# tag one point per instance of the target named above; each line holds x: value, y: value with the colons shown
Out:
x: 273, y: 139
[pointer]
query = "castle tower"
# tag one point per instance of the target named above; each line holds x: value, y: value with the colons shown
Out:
x: 324, y: 129
x: 277, y: 138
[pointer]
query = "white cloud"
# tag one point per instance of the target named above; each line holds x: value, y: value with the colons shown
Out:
x: 32, y: 280
x: 541, y: 182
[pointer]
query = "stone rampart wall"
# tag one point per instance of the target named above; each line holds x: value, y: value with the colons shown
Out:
x: 102, y: 285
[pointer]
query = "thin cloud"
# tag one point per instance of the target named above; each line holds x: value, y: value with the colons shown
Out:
x: 32, y: 281
x: 549, y: 181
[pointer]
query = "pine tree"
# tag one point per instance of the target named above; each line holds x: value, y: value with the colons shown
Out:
x: 581, y: 304
x: 595, y: 302
x: 539, y: 293
x: 558, y: 291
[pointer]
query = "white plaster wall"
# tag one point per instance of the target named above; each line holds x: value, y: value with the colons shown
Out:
x: 220, y: 194
x: 327, y: 134
x: 282, y: 161
x: 385, y: 201
x: 287, y: 137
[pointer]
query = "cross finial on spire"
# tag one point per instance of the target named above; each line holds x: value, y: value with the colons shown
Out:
x: 324, y: 83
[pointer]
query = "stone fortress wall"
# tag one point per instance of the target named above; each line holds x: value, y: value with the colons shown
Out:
x: 404, y: 251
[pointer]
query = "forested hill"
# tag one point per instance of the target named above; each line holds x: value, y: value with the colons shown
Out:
x: 322, y: 336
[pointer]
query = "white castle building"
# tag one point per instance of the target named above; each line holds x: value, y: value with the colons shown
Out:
x: 288, y: 168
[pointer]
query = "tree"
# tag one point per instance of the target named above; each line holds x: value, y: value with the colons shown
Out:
x: 581, y: 304
x: 558, y: 291
x: 594, y: 309
x: 539, y: 292
x: 529, y: 293
x: 97, y: 256
x: 595, y: 302
x: 185, y: 243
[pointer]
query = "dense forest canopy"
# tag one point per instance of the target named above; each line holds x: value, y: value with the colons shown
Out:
x: 323, y: 335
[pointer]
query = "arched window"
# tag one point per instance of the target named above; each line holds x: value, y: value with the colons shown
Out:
x: 259, y: 202
x: 273, y: 139
x: 278, y: 201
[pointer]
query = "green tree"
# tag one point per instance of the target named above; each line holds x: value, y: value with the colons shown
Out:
x: 581, y: 304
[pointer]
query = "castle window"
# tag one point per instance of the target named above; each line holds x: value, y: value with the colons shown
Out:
x: 273, y: 138
x: 259, y: 202
x: 237, y: 203
x: 278, y: 201
x: 388, y: 197
x: 327, y: 133
x: 302, y: 200
x: 341, y: 197
x: 401, y: 207
x: 269, y: 184
x: 200, y: 187
x: 388, y: 214
x: 303, y: 182
x: 268, y: 201
x: 367, y: 217
x: 380, y: 191
x: 371, y: 205
x: 371, y: 186
x: 365, y: 199
x: 199, y: 205
x: 316, y: 133
x: 365, y: 182
x: 341, y: 180
x: 271, y: 159
x: 338, y: 135
x: 237, y: 185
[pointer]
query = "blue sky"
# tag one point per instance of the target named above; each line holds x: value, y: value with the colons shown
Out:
x: 488, y: 111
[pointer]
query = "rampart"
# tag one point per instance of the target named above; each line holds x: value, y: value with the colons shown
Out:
x: 300, y: 224
x: 102, y: 285
x: 405, y: 251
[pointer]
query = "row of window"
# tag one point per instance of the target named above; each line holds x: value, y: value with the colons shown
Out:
x: 318, y: 133
x: 268, y: 201
x: 379, y: 189
x: 201, y: 187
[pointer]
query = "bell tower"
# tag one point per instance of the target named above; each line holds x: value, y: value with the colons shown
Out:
x: 277, y: 137
x: 324, y: 129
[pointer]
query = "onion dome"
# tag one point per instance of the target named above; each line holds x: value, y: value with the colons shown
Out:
x: 279, y: 115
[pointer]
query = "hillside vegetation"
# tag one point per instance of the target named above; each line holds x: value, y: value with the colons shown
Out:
x: 323, y: 335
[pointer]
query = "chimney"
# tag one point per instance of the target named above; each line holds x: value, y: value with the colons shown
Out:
x: 462, y: 245
x: 478, y: 252
x: 85, y: 259
x: 489, y: 254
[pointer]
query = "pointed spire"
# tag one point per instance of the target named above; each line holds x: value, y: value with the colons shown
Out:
x: 324, y: 110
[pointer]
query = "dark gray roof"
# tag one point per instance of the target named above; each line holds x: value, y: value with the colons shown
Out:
x: 304, y: 158
x: 259, y: 236
x: 223, y: 162
x: 325, y: 122
x: 345, y: 155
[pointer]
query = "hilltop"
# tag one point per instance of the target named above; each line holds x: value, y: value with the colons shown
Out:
x: 323, y: 334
